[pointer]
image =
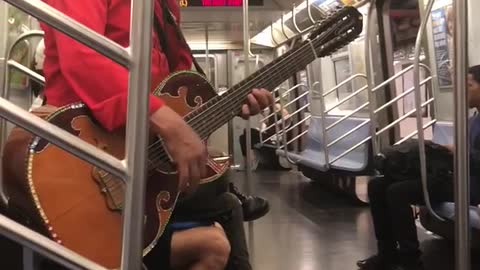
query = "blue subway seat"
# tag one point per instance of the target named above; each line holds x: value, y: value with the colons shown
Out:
x: 447, y: 210
x: 443, y: 132
x: 313, y: 155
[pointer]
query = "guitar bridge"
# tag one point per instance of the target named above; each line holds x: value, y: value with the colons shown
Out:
x: 111, y: 187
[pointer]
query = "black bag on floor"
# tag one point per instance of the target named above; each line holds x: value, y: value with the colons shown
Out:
x: 402, y: 162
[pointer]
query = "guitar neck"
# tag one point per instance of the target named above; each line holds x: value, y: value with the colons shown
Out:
x: 329, y: 35
x: 221, y: 109
x: 332, y: 34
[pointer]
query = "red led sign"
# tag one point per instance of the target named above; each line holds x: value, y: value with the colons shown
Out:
x: 218, y: 3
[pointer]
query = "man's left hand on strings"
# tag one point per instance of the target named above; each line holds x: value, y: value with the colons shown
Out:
x: 257, y: 100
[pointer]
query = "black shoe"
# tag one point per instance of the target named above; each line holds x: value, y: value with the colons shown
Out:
x: 376, y: 262
x: 253, y: 207
x: 416, y: 266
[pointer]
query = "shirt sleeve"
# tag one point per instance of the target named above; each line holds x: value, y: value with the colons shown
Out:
x: 98, y: 81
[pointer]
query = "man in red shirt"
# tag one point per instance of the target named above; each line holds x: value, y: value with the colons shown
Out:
x: 75, y: 73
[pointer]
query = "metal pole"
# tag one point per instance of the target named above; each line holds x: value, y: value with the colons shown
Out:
x: 61, y: 138
x: 246, y: 52
x: 3, y: 36
x: 371, y: 96
x: 248, y: 158
x: 207, y: 61
x: 137, y: 134
x: 462, y: 176
x: 25, y: 70
x: 44, y: 246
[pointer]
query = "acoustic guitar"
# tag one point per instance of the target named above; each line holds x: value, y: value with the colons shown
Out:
x: 80, y: 206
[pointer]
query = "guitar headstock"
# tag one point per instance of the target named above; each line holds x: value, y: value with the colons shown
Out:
x: 338, y: 29
x: 345, y: 14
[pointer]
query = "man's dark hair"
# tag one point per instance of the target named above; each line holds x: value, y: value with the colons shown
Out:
x: 475, y: 71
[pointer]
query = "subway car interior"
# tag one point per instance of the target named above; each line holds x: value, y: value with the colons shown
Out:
x: 355, y: 150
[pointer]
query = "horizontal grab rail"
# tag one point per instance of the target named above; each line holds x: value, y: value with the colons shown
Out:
x: 74, y: 29
x: 348, y: 115
x: 351, y: 149
x: 347, y: 98
x: 61, y: 138
x: 410, y: 90
x: 283, y: 132
x: 397, y: 75
x: 347, y: 80
x: 297, y: 124
x: 286, y: 105
x: 427, y: 125
x: 403, y: 117
x: 292, y: 140
x: 45, y: 246
x: 33, y: 75
x: 348, y: 133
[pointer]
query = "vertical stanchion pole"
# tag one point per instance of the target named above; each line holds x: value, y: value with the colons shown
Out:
x: 207, y: 61
x: 370, y: 80
x: 246, y: 52
x: 248, y: 158
x: 462, y: 177
x: 137, y: 134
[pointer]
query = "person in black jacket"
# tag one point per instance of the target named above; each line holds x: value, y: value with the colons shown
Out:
x: 390, y: 201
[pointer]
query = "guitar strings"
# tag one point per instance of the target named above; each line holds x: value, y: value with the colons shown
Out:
x: 285, y: 61
x: 232, y: 100
x: 162, y: 155
x: 262, y: 71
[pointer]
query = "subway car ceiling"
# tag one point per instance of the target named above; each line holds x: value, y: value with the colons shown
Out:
x: 225, y: 29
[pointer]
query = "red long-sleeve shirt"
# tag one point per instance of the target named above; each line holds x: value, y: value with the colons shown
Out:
x: 75, y: 72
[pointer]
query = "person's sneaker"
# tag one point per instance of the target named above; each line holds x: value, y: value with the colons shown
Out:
x: 253, y: 207
x: 376, y: 262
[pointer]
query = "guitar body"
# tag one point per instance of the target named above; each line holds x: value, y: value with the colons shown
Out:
x: 78, y: 204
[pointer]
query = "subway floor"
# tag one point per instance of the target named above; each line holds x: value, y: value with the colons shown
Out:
x: 309, y: 228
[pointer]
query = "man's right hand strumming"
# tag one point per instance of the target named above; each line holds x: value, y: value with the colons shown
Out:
x: 187, y: 150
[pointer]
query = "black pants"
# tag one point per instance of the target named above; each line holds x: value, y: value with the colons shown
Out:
x: 393, y: 219
x: 213, y: 202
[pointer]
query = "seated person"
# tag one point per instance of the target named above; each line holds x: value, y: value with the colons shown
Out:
x: 75, y: 73
x: 265, y: 155
x: 390, y: 202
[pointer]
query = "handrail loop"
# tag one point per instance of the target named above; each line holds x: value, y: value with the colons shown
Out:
x: 272, y: 36
x: 294, y: 19
x: 283, y: 27
x: 418, y: 101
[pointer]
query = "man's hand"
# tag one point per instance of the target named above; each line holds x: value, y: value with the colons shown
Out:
x: 258, y: 100
x: 185, y: 147
x: 450, y: 147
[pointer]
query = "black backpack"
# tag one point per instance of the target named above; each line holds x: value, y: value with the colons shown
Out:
x: 402, y: 162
